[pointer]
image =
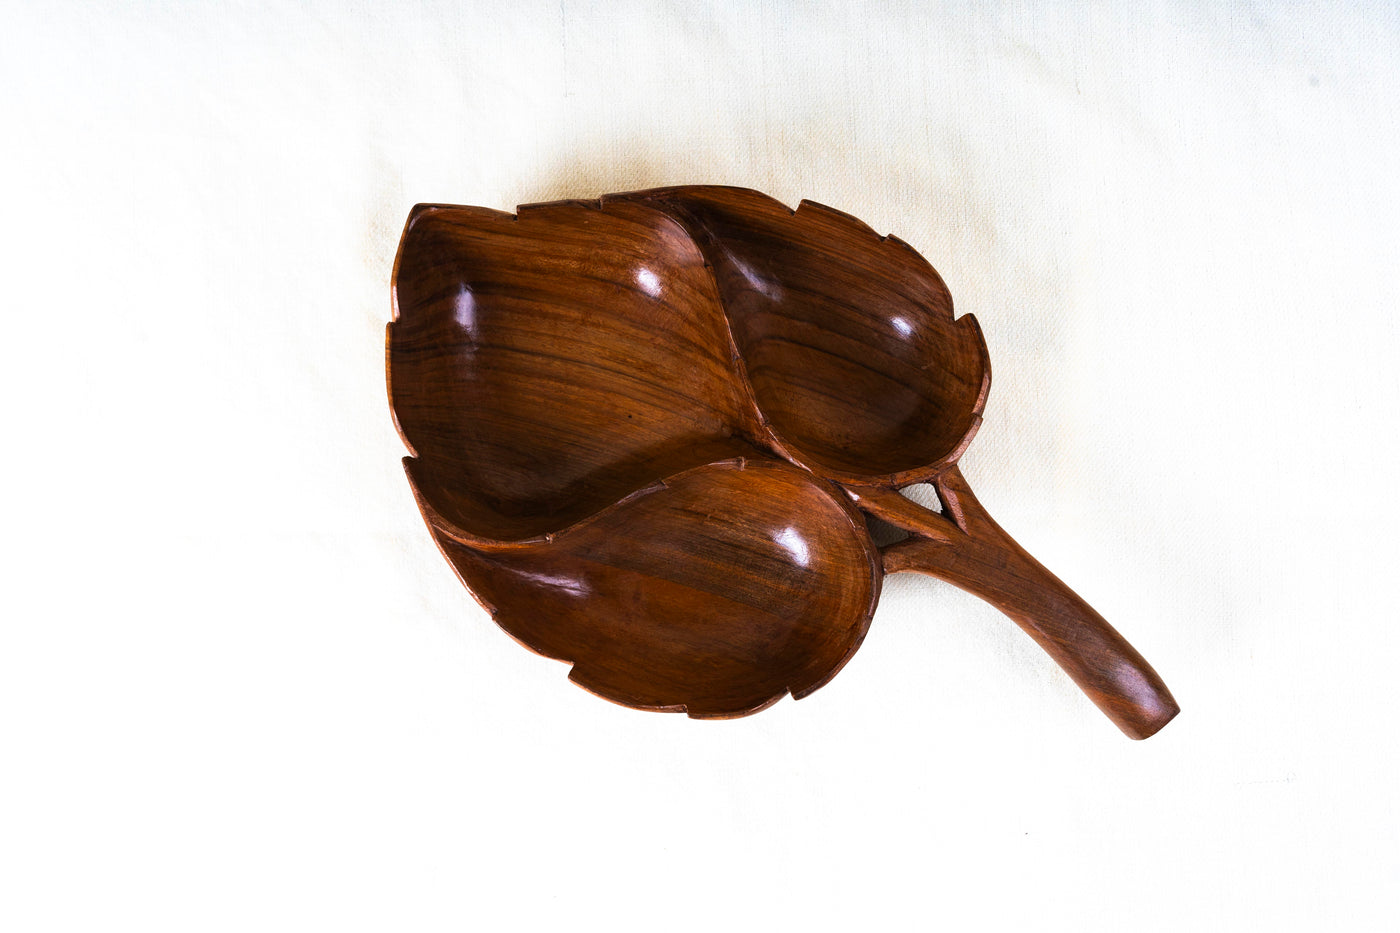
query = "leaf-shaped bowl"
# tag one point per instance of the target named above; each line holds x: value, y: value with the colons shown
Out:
x: 633, y: 417
x: 591, y: 462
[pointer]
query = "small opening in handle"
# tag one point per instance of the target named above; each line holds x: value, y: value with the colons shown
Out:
x: 923, y: 494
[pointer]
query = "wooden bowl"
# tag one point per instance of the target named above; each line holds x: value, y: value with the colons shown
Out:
x: 645, y: 428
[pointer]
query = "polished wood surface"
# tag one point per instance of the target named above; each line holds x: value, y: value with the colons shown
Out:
x: 964, y: 546
x: 645, y: 427
x: 544, y: 366
x: 847, y: 338
x: 717, y: 592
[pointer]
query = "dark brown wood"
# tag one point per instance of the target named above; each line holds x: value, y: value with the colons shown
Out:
x: 536, y: 375
x: 640, y: 423
x: 965, y: 547
x: 716, y: 593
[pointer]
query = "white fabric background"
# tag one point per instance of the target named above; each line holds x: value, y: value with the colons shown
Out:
x: 240, y: 689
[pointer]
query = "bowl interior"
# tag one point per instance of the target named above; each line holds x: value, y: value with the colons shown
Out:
x: 848, y: 338
x: 543, y: 366
x: 717, y: 593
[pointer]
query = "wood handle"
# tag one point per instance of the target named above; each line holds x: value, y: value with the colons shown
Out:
x: 965, y: 547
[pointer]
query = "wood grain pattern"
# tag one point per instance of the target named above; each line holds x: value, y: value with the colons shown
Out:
x: 847, y: 337
x: 716, y: 593
x: 643, y: 426
x: 545, y: 366
x: 966, y: 547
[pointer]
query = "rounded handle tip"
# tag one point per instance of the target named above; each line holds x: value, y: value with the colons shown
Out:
x: 1146, y: 711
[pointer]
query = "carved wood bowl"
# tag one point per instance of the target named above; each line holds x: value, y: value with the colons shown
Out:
x: 646, y: 429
